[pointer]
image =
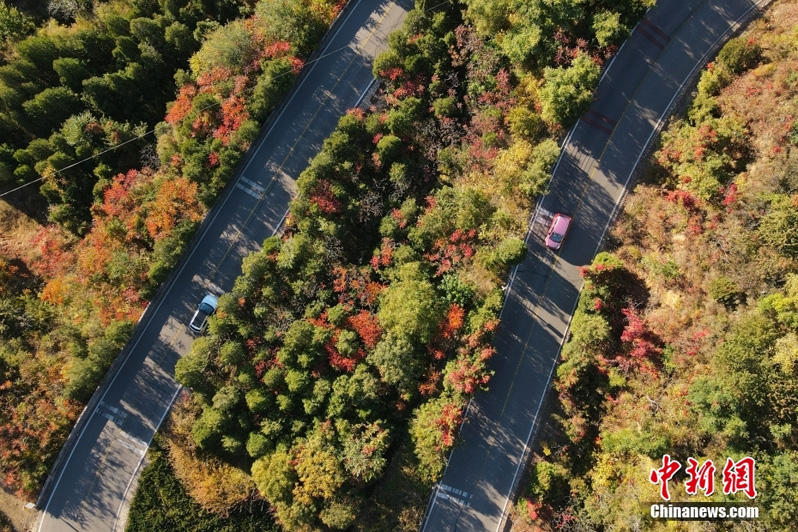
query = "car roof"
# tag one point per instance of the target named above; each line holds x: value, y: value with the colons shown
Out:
x: 561, y: 222
x: 211, y: 300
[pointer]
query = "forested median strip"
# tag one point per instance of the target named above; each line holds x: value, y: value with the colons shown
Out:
x: 382, y: 295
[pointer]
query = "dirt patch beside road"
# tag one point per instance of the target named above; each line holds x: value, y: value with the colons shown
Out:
x: 14, y: 508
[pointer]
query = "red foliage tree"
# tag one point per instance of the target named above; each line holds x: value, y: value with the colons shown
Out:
x: 643, y: 346
x: 448, y: 252
x: 234, y: 114
x: 367, y: 326
x: 56, y: 255
x: 175, y: 201
x: 181, y: 107
x: 449, y: 421
x: 324, y: 198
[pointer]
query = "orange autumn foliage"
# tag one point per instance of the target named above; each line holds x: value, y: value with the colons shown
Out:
x: 367, y: 327
x: 176, y: 201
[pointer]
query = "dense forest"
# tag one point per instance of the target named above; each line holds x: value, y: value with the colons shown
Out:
x: 367, y: 325
x: 685, y: 339
x: 120, y: 178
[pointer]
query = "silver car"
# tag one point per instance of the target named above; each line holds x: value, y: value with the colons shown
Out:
x: 199, y: 322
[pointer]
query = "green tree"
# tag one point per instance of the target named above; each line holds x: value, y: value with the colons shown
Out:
x: 13, y: 23
x: 303, y: 345
x: 724, y: 291
x: 275, y: 476
x: 489, y: 17
x: 126, y: 51
x: 608, y: 28
x: 431, y: 430
x: 568, y: 92
x: 402, y: 120
x: 340, y: 513
x: 779, y: 227
x: 398, y: 362
x: 525, y: 43
x: 209, y: 429
x: 389, y: 149
x: 291, y: 21
x: 275, y: 79
x: 736, y: 401
x: 48, y: 109
x: 192, y: 369
x: 85, y: 374
x: 41, y: 51
x: 116, y: 24
x: 231, y: 46
x: 409, y: 307
x: 181, y: 39
x: 508, y: 252
x: 102, y: 94
x: 739, y: 54
x: 364, y: 449
x: 148, y: 31
x: 355, y: 396
x: 779, y: 473
x: 549, y: 482
x: 319, y: 470
x: 71, y: 72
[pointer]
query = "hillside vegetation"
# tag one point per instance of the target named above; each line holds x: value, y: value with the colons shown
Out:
x: 684, y: 342
x: 80, y: 100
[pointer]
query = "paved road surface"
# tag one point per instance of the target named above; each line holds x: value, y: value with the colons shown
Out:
x: 96, y: 478
x: 598, y: 159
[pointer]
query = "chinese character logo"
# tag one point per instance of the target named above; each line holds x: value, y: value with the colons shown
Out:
x: 664, y: 474
x: 702, y: 478
x: 739, y: 476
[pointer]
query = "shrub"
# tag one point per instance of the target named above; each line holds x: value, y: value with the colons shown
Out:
x: 724, y: 291
x: 511, y: 250
x: 739, y: 54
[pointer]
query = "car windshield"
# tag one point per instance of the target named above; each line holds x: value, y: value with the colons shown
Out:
x: 205, y: 308
x: 556, y: 237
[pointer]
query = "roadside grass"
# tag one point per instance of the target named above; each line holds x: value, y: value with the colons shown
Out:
x: 17, y: 230
x: 161, y: 503
x: 399, y: 499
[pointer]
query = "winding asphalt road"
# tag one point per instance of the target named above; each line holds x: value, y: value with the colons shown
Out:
x: 600, y: 155
x: 91, y: 484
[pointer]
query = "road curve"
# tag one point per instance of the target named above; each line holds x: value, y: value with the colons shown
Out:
x: 599, y: 158
x: 97, y: 475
